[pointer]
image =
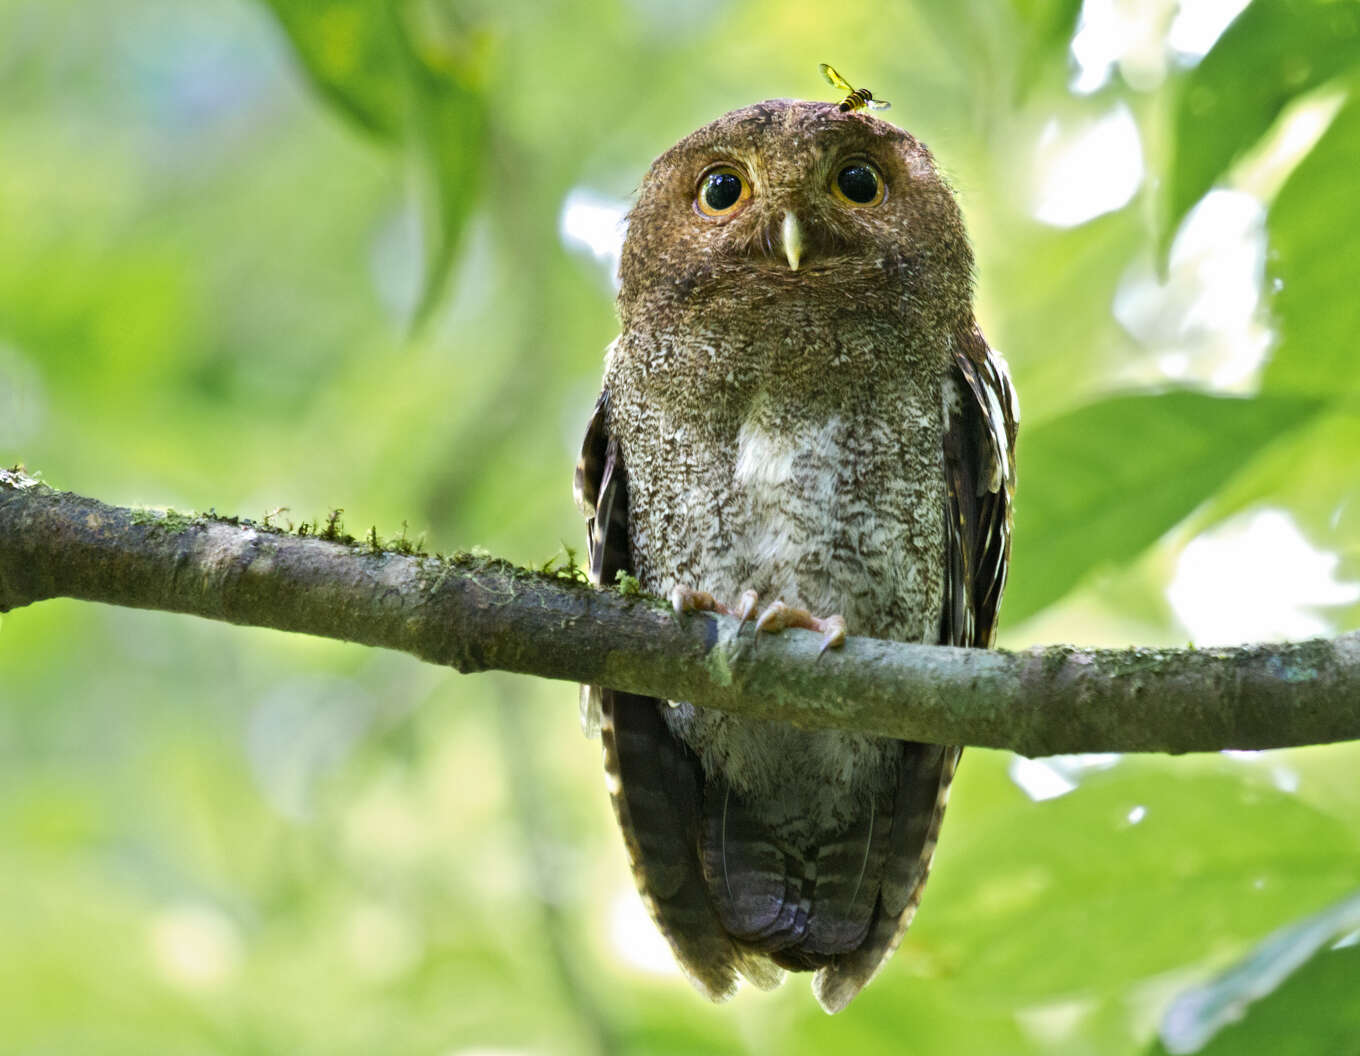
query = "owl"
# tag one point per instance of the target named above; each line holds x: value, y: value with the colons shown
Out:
x: 801, y: 425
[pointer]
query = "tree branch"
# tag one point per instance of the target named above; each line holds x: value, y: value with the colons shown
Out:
x: 477, y: 613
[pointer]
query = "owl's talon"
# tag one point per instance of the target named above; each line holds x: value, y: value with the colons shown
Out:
x: 833, y: 632
x: 749, y: 600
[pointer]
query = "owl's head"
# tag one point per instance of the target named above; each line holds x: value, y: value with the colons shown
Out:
x: 787, y: 201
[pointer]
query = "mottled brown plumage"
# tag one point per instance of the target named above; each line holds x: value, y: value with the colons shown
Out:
x: 801, y: 404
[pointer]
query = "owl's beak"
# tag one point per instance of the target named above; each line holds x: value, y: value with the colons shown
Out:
x: 792, y: 237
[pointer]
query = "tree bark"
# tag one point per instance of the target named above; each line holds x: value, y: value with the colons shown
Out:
x: 477, y: 613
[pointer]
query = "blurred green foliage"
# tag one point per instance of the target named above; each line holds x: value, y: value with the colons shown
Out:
x: 307, y: 254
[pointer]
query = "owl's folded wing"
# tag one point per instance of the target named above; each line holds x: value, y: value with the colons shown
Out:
x: 601, y: 488
x: 982, y: 416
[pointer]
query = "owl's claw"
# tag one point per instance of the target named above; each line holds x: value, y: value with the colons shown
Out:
x: 749, y: 599
x: 777, y: 616
x: 833, y: 632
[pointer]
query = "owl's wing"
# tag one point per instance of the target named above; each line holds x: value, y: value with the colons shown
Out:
x: 979, y: 457
x: 982, y: 417
x: 601, y: 489
x: 655, y: 781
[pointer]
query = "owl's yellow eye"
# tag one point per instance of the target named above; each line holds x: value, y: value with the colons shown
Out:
x: 858, y: 184
x: 722, y: 191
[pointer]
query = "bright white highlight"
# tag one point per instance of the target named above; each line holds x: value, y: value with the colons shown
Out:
x: 1285, y: 778
x: 1123, y: 33
x: 1204, y: 323
x: 1256, y: 578
x: 194, y: 948
x: 1053, y: 1024
x: 1137, y: 814
x: 1198, y: 25
x: 1085, y: 172
x: 1139, y: 37
x: 592, y: 223
x: 635, y: 938
x: 1038, y: 780
x: 1056, y: 775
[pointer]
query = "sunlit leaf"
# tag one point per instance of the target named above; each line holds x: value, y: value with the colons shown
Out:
x: 1273, y: 51
x: 1049, y: 25
x: 1100, y: 484
x: 1314, y: 229
x: 1041, y: 893
x: 1314, y: 269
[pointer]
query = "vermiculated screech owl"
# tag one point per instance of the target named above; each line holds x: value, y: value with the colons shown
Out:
x: 800, y: 405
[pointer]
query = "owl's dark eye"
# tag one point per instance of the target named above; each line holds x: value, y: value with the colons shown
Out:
x: 721, y: 191
x: 858, y: 183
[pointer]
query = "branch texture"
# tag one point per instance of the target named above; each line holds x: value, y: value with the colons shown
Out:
x: 478, y: 613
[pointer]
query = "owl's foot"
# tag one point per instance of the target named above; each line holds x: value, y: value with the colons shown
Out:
x: 683, y: 599
x: 777, y: 616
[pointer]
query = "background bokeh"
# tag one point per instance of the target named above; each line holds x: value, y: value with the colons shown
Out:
x: 320, y: 253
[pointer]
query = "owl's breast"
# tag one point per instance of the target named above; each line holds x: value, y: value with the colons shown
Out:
x: 835, y: 512
x: 842, y: 514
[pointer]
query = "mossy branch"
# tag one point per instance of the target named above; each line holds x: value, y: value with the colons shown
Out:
x: 476, y: 613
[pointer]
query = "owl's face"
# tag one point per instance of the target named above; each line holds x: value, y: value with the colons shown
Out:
x: 786, y: 201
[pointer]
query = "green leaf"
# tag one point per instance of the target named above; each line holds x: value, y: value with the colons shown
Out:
x: 447, y: 133
x: 1040, y: 894
x: 1292, y: 977
x: 349, y: 54
x: 1049, y: 25
x: 1275, y: 50
x: 1100, y: 484
x: 1314, y: 229
x: 416, y: 91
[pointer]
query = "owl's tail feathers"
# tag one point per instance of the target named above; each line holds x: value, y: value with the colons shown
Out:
x: 839, y: 908
x: 656, y: 784
x: 799, y: 905
x: 748, y: 903
x: 918, y: 809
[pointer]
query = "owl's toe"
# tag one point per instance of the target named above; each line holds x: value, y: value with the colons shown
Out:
x: 684, y: 599
x: 777, y: 616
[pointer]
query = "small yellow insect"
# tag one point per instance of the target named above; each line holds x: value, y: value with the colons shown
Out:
x: 857, y: 98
